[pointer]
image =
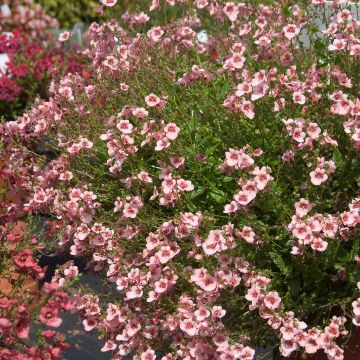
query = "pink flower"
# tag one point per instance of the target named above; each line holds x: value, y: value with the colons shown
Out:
x: 348, y: 218
x: 190, y: 219
x: 290, y: 31
x: 171, y: 131
x: 247, y: 234
x: 165, y: 254
x: 218, y: 311
x: 82, y: 232
x: 231, y: 11
x: 237, y: 61
x: 140, y: 113
x: 144, y: 177
x: 288, y: 331
x: 247, y: 108
x: 262, y: 177
x: 272, y: 300
x: 49, y: 315
x: 208, y: 283
x: 299, y: 98
x: 338, y: 44
x: 152, y: 100
x: 88, y: 196
x: 66, y: 92
x: 356, y: 307
x: 244, y: 88
x: 333, y: 331
x: 247, y: 353
x: 64, y: 36
x: 111, y: 62
x: 303, y: 207
x: 302, y: 230
x: 155, y: 5
x: 319, y: 244
x: 263, y: 41
x: 109, y: 346
x: 311, y: 346
x: 125, y: 126
x: 168, y: 184
x: 202, y: 313
x: 149, y: 354
x: 211, y: 246
x: 85, y: 143
x: 313, y: 130
x: 162, y: 144
x: 132, y: 328
x: 188, y: 326
x: 242, y: 198
x: 200, y: 4
x: 161, y: 286
x: 66, y: 176
x: 318, y: 176
x: 155, y: 33
x: 232, y: 157
x: 40, y: 196
x: 109, y: 2
x: 130, y: 211
x: 184, y: 185
x: 134, y: 292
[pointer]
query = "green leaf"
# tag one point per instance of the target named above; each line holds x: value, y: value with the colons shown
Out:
x: 197, y: 193
x: 217, y: 196
x: 337, y: 157
x: 227, y: 179
x: 279, y: 262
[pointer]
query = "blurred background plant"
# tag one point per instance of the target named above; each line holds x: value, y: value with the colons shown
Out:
x: 69, y: 13
x: 29, y: 70
x: 27, y: 15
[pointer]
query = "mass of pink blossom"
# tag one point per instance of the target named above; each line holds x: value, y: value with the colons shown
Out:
x: 212, y: 182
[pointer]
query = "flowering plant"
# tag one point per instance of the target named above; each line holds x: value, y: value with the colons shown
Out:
x: 29, y: 70
x: 208, y: 168
x: 27, y: 15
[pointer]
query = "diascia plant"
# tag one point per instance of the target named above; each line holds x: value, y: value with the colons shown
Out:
x: 208, y: 168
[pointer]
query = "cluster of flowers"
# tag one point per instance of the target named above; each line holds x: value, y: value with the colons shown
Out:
x: 27, y: 15
x: 193, y: 323
x: 294, y: 333
x: 239, y: 160
x: 349, y: 109
x: 22, y: 303
x: 311, y: 230
x: 29, y: 70
x: 124, y: 135
x: 29, y: 62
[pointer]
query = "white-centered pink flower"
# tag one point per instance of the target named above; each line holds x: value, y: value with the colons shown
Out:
x: 290, y: 31
x: 64, y: 36
x: 318, y: 176
x: 231, y: 11
x: 171, y: 131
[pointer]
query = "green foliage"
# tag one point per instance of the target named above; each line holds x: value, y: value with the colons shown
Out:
x: 69, y: 13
